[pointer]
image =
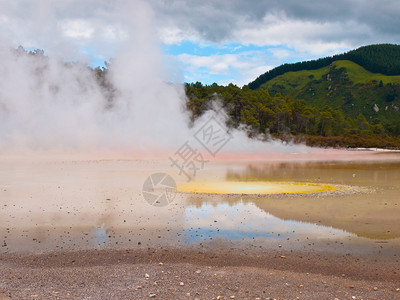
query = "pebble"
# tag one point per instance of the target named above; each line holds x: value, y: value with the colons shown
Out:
x: 147, y: 276
x: 283, y: 256
x: 152, y: 295
x: 181, y: 284
x: 233, y: 297
x: 397, y: 290
x: 375, y: 288
x: 160, y: 264
x: 198, y: 272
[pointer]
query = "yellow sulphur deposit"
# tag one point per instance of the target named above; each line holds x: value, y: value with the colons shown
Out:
x: 254, y: 187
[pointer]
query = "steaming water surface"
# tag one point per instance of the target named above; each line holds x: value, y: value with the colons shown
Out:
x: 70, y: 205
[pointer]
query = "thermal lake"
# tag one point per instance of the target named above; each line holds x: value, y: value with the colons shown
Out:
x: 343, y: 206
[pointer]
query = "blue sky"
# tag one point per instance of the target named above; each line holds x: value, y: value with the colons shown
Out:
x: 228, y: 63
x: 208, y: 41
x: 219, y: 63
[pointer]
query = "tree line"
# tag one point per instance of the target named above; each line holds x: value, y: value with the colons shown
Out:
x: 285, y: 117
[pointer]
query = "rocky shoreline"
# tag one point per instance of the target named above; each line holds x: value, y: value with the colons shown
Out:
x: 195, y: 274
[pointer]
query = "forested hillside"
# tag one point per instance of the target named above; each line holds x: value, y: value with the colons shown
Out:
x: 291, y: 119
x: 382, y: 58
x: 347, y: 86
x: 339, y: 104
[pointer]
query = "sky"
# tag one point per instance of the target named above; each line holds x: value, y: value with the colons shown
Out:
x: 209, y: 41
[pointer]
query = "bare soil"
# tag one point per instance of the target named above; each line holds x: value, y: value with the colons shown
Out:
x: 194, y: 274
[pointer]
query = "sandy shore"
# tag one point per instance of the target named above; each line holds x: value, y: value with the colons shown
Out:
x: 196, y: 274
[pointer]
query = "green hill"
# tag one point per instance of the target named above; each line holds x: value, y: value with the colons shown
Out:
x: 351, y: 99
x: 343, y: 85
x: 382, y: 58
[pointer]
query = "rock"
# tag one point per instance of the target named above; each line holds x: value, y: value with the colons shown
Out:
x: 147, y: 276
x: 233, y: 297
x: 181, y: 284
x: 198, y: 272
x: 280, y: 246
x: 152, y: 295
x: 138, y: 287
x: 375, y: 288
x: 160, y: 264
x: 283, y: 256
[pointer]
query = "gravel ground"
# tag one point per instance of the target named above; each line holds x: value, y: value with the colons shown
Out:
x: 194, y: 274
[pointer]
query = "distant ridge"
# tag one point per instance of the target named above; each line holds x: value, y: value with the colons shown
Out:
x: 380, y: 58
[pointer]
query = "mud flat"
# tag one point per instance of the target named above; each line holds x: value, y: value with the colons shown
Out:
x: 82, y: 229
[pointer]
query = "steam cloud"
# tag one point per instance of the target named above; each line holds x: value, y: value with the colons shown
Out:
x: 54, y: 103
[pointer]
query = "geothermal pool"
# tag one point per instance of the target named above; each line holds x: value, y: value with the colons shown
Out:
x: 338, y: 206
x: 254, y: 188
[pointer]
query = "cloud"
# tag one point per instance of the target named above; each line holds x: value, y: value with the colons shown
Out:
x: 237, y: 68
x: 332, y: 25
x: 303, y: 29
x: 67, y: 28
x: 340, y: 23
x: 77, y: 29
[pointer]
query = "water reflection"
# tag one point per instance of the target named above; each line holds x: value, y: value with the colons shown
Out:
x: 242, y: 221
x: 86, y: 205
x: 100, y: 234
x: 372, y: 215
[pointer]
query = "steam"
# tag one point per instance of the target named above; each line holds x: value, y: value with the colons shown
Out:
x: 54, y: 103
